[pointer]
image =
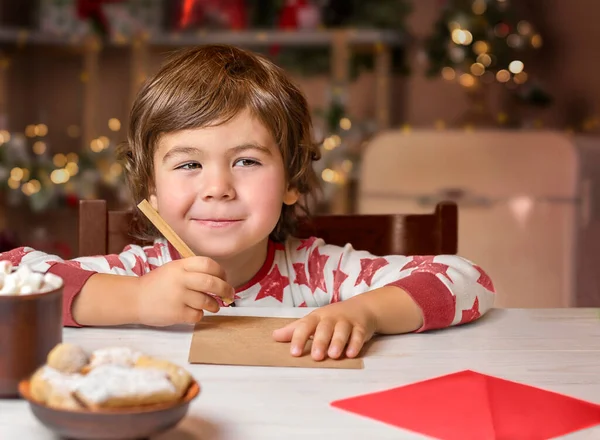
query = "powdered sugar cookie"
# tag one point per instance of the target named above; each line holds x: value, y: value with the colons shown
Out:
x: 115, y: 386
x: 67, y: 358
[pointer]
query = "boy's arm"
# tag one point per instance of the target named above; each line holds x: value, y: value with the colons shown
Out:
x: 108, y: 290
x: 402, y: 291
x: 106, y: 299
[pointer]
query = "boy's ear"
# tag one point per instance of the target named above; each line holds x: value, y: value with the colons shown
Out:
x: 291, y: 196
x: 153, y: 201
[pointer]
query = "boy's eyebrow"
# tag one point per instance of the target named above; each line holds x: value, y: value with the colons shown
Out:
x: 186, y: 150
x: 180, y: 150
x: 251, y: 146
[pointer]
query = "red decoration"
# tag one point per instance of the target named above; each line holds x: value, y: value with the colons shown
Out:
x: 229, y: 14
x: 72, y: 200
x: 470, y: 406
x: 92, y: 10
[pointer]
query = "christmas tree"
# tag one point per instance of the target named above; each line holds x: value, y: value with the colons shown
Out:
x: 478, y: 42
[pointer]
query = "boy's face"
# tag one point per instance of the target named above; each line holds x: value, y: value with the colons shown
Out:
x: 221, y: 188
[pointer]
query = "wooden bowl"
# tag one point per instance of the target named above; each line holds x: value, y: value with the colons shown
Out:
x: 30, y: 326
x: 125, y: 423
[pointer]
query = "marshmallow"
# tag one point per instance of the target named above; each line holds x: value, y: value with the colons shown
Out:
x: 24, y: 281
x: 5, y: 267
x: 10, y: 287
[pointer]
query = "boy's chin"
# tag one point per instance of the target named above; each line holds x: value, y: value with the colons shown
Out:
x: 222, y: 250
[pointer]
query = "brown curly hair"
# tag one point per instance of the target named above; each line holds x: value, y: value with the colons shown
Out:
x: 209, y: 85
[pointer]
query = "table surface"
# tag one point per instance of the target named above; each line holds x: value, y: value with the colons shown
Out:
x: 554, y: 349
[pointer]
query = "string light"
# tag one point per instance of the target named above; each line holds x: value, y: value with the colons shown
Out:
x: 72, y: 168
x: 520, y: 78
x: 105, y: 142
x: 4, y: 136
x: 13, y: 184
x: 31, y: 131
x: 96, y: 145
x: 17, y: 174
x: 59, y: 160
x: 503, y: 76
x: 463, y: 37
x: 479, y: 7
x: 477, y: 69
x: 516, y: 66
x: 484, y: 59
x: 467, y: 80
x: 41, y: 130
x: 480, y: 47
x: 448, y: 73
x: 114, y: 124
x: 39, y: 147
x: 345, y: 124
x: 59, y: 176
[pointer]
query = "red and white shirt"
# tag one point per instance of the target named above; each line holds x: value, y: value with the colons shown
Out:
x: 449, y: 289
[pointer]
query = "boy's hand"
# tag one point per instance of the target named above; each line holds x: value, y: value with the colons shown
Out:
x: 335, y: 327
x: 177, y: 292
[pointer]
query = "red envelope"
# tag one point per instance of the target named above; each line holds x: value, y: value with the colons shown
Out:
x: 469, y: 405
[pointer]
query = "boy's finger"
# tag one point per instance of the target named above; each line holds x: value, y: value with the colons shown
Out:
x: 305, y: 328
x: 339, y: 339
x: 284, y: 334
x: 200, y: 301
x: 202, y: 282
x: 203, y: 265
x: 321, y: 339
x: 357, y: 339
x: 192, y: 316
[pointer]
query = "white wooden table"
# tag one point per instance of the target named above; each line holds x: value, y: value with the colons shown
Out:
x: 554, y: 349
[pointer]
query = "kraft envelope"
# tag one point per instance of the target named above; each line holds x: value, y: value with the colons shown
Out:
x: 248, y: 340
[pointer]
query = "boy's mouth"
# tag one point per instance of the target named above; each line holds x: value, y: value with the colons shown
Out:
x: 217, y: 222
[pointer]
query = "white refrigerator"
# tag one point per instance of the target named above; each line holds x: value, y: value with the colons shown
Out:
x: 518, y: 194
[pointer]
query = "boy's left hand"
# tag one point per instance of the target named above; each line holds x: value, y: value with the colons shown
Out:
x: 334, y: 327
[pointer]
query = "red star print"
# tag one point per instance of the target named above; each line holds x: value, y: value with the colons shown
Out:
x: 114, y: 261
x: 338, y: 278
x: 484, y: 279
x: 140, y: 266
x: 272, y: 285
x: 426, y: 264
x: 306, y: 244
x: 76, y: 264
x: 368, y: 268
x: 303, y: 304
x: 471, y: 314
x: 316, y: 272
x: 15, y: 256
x: 154, y: 252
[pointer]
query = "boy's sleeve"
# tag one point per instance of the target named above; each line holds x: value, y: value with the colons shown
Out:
x: 450, y: 290
x: 133, y: 261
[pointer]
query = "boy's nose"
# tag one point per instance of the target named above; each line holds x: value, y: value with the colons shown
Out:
x: 217, y: 186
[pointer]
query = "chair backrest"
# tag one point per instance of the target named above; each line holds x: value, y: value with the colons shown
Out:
x: 104, y: 232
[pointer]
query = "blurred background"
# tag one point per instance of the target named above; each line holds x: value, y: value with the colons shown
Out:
x: 491, y: 103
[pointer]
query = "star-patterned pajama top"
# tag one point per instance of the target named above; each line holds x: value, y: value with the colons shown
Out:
x: 449, y: 289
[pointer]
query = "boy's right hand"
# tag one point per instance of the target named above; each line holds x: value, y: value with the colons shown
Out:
x: 179, y: 291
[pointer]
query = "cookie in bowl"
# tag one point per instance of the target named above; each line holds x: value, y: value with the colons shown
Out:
x: 114, y: 392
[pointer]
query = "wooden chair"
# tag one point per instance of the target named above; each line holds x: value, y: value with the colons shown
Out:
x: 104, y: 232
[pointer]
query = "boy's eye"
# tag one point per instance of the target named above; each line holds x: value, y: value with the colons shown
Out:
x: 189, y: 166
x: 246, y: 162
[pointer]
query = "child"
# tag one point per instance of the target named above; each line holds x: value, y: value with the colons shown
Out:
x: 220, y: 143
